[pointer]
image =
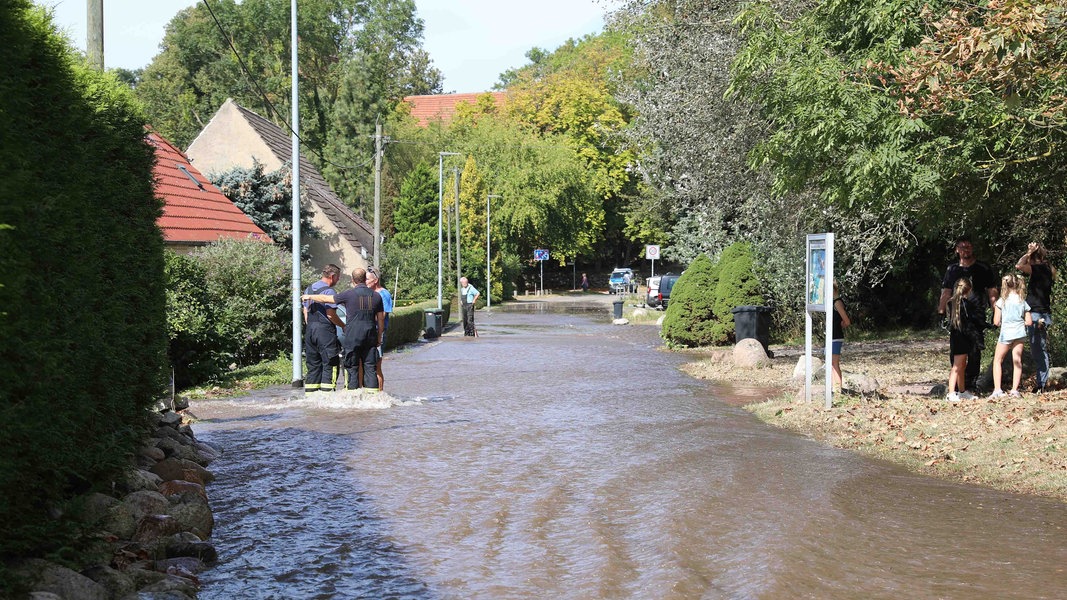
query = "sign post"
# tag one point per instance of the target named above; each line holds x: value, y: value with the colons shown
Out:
x: 818, y: 297
x: 541, y: 256
x: 652, y: 253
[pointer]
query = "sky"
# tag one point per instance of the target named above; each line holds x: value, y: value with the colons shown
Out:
x: 471, y: 41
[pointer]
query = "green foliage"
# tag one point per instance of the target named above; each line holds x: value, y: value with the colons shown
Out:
x: 415, y: 213
x: 418, y: 270
x: 248, y: 282
x: 737, y: 286
x: 1057, y: 334
x: 194, y: 343
x: 83, y: 344
x: 690, y: 314
x: 267, y: 199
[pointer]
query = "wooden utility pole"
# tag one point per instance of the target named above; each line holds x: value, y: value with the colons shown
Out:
x: 94, y: 34
x: 377, y: 191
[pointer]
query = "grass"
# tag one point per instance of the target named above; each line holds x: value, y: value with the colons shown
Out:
x: 278, y: 371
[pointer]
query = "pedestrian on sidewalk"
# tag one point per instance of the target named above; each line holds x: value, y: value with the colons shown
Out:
x: 983, y: 295
x: 468, y: 295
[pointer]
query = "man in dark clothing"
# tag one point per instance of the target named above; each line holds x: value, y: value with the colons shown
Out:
x: 321, y: 347
x: 984, y: 288
x: 362, y: 339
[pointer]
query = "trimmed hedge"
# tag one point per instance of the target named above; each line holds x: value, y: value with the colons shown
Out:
x: 407, y: 324
x: 83, y: 340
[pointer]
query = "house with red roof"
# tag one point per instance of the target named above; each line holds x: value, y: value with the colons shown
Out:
x: 195, y: 212
x: 442, y: 107
x: 237, y: 137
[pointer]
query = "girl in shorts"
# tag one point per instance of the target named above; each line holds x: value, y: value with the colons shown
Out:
x: 964, y: 334
x: 838, y: 324
x: 1012, y: 314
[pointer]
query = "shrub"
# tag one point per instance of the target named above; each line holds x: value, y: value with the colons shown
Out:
x: 737, y: 286
x: 194, y: 343
x: 690, y: 313
x: 1057, y: 334
x: 248, y: 283
x: 83, y: 343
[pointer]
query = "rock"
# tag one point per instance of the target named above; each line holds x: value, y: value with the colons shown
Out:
x: 152, y: 528
x: 95, y: 508
x: 203, y: 551
x: 123, y: 518
x: 143, y: 575
x: 193, y: 513
x: 170, y: 583
x: 177, y: 486
x: 44, y: 596
x: 169, y: 595
x: 207, y: 454
x: 175, y: 449
x: 1057, y: 378
x: 117, y: 583
x: 860, y: 382
x: 620, y: 322
x: 136, y: 480
x: 182, y: 566
x: 940, y: 389
x: 187, y: 470
x: 63, y: 582
x: 640, y: 313
x: 659, y: 321
x: 749, y: 354
x: 816, y: 369
x: 170, y: 418
x: 152, y: 452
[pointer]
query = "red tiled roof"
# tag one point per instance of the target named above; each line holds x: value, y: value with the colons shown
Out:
x: 194, y: 214
x: 443, y: 106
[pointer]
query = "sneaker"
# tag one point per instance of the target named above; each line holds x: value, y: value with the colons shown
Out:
x: 997, y: 394
x: 966, y: 396
x: 1014, y: 393
x: 952, y: 397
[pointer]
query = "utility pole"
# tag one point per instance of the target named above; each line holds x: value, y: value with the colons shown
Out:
x: 459, y: 270
x: 377, y: 190
x: 94, y: 34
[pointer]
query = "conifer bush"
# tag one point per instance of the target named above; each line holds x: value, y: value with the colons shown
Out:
x: 738, y: 285
x: 690, y: 317
x: 83, y: 341
x: 194, y: 347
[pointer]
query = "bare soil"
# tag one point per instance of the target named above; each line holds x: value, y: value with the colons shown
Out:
x: 1014, y: 444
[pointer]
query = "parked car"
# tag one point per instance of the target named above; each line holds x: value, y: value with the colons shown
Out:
x: 652, y: 297
x: 666, y: 284
x: 622, y: 281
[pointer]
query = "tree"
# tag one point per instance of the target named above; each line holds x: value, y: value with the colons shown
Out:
x: 738, y: 285
x: 690, y: 317
x: 267, y: 199
x: 415, y: 214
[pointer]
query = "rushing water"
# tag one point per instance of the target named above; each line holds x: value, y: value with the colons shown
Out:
x: 559, y: 456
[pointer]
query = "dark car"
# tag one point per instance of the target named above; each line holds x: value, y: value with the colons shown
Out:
x: 666, y: 283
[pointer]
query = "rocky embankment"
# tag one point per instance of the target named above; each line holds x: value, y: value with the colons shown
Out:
x: 152, y: 532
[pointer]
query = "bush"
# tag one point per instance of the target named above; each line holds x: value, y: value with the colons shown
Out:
x: 737, y: 286
x: 248, y: 282
x: 690, y: 317
x: 1058, y: 332
x: 194, y: 343
x: 83, y: 343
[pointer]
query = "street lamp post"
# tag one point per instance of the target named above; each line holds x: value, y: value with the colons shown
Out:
x: 488, y: 264
x: 440, y: 217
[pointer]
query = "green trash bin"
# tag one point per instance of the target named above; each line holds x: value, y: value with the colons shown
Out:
x: 434, y: 323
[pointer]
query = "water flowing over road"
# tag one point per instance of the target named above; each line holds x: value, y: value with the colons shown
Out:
x: 559, y: 456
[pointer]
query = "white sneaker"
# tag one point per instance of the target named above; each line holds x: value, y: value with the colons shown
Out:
x: 966, y: 396
x: 997, y: 394
x: 952, y: 397
x: 1014, y: 393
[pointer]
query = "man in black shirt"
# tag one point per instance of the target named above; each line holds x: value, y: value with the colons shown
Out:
x: 362, y: 339
x: 983, y: 288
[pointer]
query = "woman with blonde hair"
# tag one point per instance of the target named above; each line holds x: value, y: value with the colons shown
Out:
x: 1039, y: 296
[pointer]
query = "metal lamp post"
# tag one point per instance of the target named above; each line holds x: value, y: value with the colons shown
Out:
x: 488, y: 264
x: 440, y: 218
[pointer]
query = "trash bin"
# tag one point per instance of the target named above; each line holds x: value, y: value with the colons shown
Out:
x: 434, y: 323
x: 753, y: 322
x: 617, y: 305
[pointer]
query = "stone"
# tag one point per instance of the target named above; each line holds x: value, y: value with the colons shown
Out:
x: 940, y: 389
x: 170, y: 418
x: 183, y: 566
x: 177, y: 486
x: 1057, y: 378
x: 187, y: 470
x: 659, y: 321
x: 860, y: 382
x: 152, y: 452
x: 171, y: 583
x: 816, y: 369
x: 152, y: 528
x: 44, y: 596
x: 143, y: 575
x: 640, y: 313
x: 193, y: 513
x: 202, y: 551
x: 175, y: 449
x: 620, y: 322
x: 749, y: 354
x: 95, y: 508
x: 117, y: 583
x: 122, y: 519
x: 207, y: 454
x: 63, y: 582
x: 136, y: 480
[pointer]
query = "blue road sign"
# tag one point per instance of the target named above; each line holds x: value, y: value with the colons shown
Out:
x: 540, y: 254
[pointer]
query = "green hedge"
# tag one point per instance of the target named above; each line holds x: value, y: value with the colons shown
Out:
x: 408, y: 323
x: 83, y: 340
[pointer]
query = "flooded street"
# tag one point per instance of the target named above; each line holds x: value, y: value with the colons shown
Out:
x: 559, y: 456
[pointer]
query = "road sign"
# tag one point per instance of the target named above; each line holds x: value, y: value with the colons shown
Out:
x: 540, y: 254
x: 652, y: 252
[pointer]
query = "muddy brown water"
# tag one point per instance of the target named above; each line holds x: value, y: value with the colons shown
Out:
x: 559, y: 456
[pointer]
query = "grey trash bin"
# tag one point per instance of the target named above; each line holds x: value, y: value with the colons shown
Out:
x: 434, y: 323
x: 617, y: 305
x: 753, y: 322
